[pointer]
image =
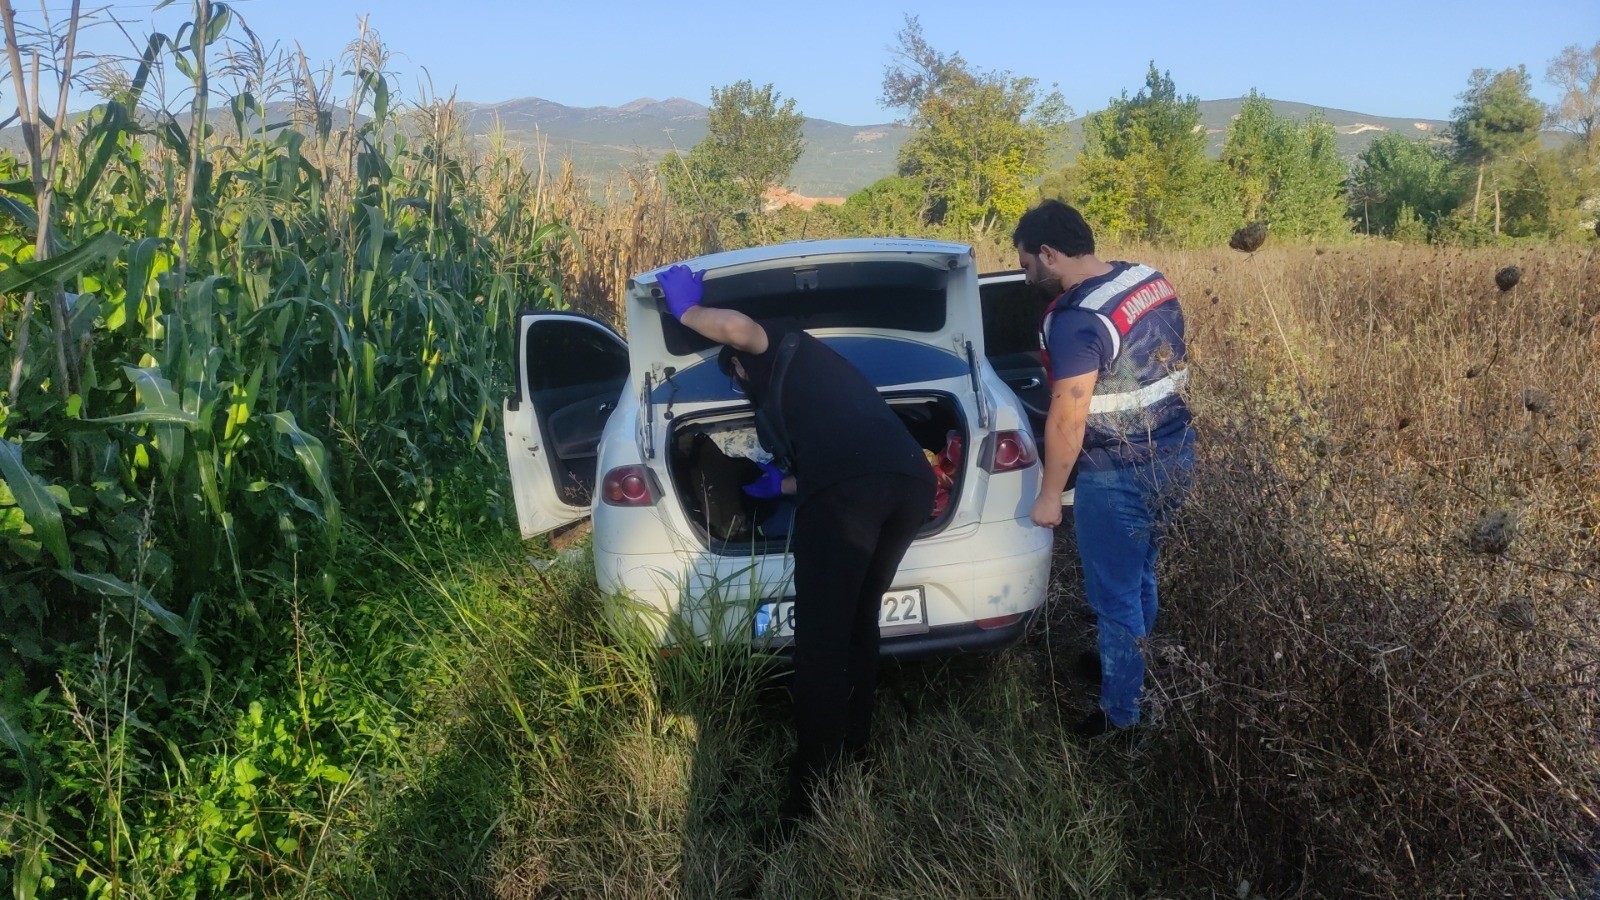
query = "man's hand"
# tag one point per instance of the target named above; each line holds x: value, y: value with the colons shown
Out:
x: 682, y: 288
x: 768, y: 485
x: 1046, y: 511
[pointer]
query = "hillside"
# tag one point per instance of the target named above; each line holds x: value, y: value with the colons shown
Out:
x: 603, y: 140
x: 839, y: 159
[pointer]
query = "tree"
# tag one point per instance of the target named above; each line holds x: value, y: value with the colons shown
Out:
x: 1142, y: 170
x: 1497, y: 119
x: 753, y: 141
x: 979, y: 139
x: 1253, y: 151
x: 1576, y: 72
x: 1400, y: 183
x: 893, y: 205
x: 1543, y: 192
x: 1288, y: 174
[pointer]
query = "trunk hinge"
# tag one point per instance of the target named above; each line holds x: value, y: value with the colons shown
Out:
x: 977, y: 388
x: 647, y: 428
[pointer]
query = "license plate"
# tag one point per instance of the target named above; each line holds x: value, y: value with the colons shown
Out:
x: 903, y: 611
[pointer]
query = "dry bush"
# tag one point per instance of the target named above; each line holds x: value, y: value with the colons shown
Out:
x: 1384, y: 631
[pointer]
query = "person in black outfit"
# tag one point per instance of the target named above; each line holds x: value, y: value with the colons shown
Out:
x: 863, y: 488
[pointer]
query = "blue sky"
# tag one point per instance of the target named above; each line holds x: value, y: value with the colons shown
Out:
x: 1395, y: 58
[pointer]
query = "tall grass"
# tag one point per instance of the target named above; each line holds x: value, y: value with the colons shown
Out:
x: 651, y: 777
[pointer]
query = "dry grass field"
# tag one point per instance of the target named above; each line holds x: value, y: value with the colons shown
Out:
x: 1381, y: 657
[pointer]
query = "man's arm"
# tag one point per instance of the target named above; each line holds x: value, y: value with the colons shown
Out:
x: 1063, y: 441
x: 681, y: 287
x: 727, y: 326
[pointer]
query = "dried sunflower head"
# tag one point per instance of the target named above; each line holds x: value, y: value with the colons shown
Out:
x: 1493, y: 533
x: 1249, y: 238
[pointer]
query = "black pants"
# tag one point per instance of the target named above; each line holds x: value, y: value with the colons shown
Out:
x: 848, y: 542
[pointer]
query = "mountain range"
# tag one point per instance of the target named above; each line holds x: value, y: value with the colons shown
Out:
x: 602, y: 141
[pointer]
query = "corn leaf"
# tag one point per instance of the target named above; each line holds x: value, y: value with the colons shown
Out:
x: 85, y: 309
x: 141, y: 265
x: 28, y: 217
x: 110, y: 129
x: 111, y: 586
x: 159, y: 402
x: 217, y: 23
x: 314, y: 460
x: 12, y: 735
x: 52, y: 272
x: 33, y: 497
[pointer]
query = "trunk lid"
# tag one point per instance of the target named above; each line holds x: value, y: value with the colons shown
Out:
x: 924, y: 291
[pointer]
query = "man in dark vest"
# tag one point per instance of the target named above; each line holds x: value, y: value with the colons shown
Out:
x: 1114, y: 351
x: 863, y: 488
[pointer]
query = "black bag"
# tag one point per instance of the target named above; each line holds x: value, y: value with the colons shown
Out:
x: 715, y: 479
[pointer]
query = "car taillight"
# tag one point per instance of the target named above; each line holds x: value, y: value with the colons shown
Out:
x: 628, y: 486
x: 1008, y: 451
x: 999, y: 621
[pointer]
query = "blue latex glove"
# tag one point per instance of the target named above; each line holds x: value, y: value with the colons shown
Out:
x: 681, y: 286
x: 768, y: 485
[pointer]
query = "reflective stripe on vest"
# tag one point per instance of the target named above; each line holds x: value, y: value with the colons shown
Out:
x: 1109, y: 291
x: 1145, y: 396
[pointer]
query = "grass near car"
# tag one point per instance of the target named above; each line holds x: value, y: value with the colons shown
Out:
x: 554, y: 751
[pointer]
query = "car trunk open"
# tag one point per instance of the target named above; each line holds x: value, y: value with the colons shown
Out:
x: 708, y: 466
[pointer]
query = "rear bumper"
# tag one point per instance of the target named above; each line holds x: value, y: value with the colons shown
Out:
x: 948, y: 640
x: 711, y: 597
x: 942, y: 642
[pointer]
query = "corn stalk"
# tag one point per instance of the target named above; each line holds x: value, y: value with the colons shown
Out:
x: 42, y: 169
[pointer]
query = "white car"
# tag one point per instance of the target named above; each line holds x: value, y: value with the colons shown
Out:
x: 651, y: 440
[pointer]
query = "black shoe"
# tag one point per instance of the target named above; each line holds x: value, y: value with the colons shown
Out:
x: 799, y: 801
x: 1093, y: 725
x: 796, y: 807
x: 1087, y: 666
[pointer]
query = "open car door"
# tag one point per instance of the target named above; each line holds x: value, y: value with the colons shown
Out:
x: 570, y: 371
x: 1012, y: 309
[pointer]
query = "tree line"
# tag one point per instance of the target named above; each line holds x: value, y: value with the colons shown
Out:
x: 985, y: 145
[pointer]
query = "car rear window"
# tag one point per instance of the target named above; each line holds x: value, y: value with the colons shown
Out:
x: 886, y: 362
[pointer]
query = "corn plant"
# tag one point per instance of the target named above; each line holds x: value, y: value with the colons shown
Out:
x: 251, y: 330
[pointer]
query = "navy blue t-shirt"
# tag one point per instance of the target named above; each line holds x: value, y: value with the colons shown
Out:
x: 1078, y: 343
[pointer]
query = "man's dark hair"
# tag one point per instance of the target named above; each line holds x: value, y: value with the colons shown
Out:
x: 1057, y: 224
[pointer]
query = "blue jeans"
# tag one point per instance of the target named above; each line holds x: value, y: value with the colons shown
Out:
x: 1118, y: 514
